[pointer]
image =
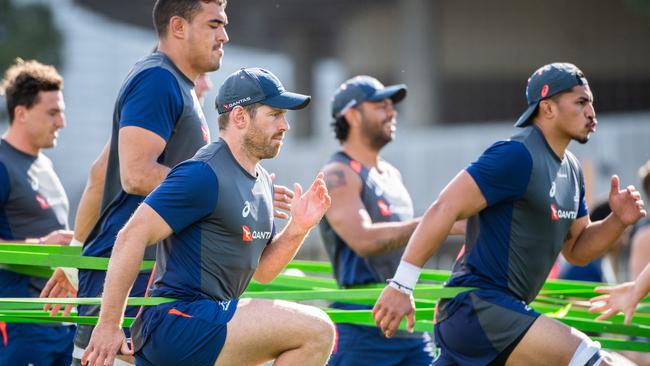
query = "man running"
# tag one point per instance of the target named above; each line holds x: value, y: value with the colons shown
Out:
x: 525, y: 200
x: 157, y: 123
x: 216, y: 212
x: 370, y: 220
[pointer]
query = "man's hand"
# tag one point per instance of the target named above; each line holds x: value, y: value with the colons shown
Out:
x: 626, y: 204
x: 308, y: 209
x: 282, y: 197
x: 104, y: 344
x: 58, y: 286
x: 390, y: 309
x: 61, y: 237
x: 622, y: 298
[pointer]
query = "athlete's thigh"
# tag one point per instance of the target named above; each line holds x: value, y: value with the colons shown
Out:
x: 547, y: 342
x: 263, y: 329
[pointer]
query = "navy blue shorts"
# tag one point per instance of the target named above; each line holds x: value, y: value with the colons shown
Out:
x: 362, y: 345
x: 32, y: 344
x: 183, y: 333
x: 475, y: 327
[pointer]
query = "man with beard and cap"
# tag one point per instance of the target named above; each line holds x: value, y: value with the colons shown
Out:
x: 524, y: 199
x: 371, y: 217
x: 158, y: 122
x: 216, y: 211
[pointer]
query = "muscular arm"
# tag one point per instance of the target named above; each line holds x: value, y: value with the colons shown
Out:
x: 640, y: 252
x: 459, y: 200
x: 145, y: 228
x: 279, y: 252
x: 351, y: 221
x: 306, y: 211
x: 139, y: 150
x: 589, y: 240
x: 91, y: 199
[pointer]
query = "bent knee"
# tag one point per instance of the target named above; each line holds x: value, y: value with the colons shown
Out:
x: 321, y: 328
x: 325, y: 326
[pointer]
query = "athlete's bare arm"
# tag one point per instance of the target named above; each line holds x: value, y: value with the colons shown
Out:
x: 589, y: 240
x: 459, y: 200
x: 306, y: 211
x: 639, y: 251
x: 91, y: 199
x: 351, y: 221
x: 139, y: 150
x: 144, y: 228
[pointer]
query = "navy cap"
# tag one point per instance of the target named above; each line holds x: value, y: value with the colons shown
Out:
x: 547, y: 81
x: 364, y: 88
x: 255, y: 85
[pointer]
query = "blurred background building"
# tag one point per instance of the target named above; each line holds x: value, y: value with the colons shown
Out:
x: 465, y: 63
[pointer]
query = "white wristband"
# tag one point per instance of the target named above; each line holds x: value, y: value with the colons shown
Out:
x: 75, y: 243
x: 405, y: 277
x: 72, y: 274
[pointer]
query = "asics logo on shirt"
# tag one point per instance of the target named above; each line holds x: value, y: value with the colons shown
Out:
x: 246, y: 210
x: 551, y: 193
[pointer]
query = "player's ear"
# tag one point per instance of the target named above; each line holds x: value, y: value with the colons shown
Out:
x: 177, y: 27
x: 352, y: 116
x: 239, y: 117
x: 546, y: 108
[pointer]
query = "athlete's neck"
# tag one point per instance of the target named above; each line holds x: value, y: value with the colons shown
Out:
x: 20, y: 142
x: 362, y: 153
x: 178, y: 57
x: 557, y: 140
x: 243, y: 157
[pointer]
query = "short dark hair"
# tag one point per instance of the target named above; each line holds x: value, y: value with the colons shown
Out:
x: 164, y: 10
x: 251, y: 109
x: 341, y: 128
x: 644, y: 174
x: 24, y: 80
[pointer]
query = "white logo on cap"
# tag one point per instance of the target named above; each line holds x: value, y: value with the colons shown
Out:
x: 238, y: 102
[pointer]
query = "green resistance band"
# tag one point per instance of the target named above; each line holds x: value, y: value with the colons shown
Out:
x: 364, y: 317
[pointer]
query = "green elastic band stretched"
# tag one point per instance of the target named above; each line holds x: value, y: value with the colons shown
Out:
x: 294, y: 295
x: 41, y: 248
x: 361, y: 317
x: 312, y: 288
x: 25, y: 258
x: 59, y: 260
